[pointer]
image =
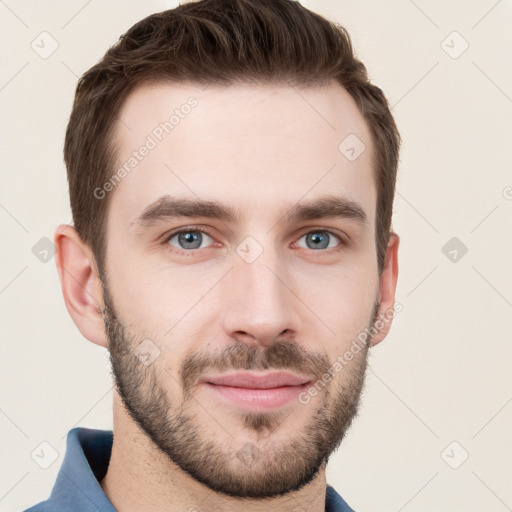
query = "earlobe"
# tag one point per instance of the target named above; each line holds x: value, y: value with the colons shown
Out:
x: 81, y: 286
x: 388, y: 280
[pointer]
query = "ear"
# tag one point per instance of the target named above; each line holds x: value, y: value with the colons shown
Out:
x: 81, y: 285
x: 388, y: 281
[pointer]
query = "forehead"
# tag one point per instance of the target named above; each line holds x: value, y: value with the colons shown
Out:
x: 256, y: 148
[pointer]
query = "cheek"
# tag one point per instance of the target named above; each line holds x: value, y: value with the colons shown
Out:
x: 343, y: 300
x: 162, y: 299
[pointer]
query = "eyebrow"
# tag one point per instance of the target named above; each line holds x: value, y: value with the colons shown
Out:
x: 326, y: 207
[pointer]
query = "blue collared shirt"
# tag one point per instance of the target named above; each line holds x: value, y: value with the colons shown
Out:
x: 77, y: 488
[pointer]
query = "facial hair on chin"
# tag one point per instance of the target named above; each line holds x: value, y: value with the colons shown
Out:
x: 236, y: 468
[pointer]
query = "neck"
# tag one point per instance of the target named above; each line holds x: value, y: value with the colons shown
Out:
x: 141, y: 477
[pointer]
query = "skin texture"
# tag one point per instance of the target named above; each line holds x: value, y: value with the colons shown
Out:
x: 208, y: 310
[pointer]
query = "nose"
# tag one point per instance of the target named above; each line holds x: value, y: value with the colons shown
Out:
x: 259, y: 303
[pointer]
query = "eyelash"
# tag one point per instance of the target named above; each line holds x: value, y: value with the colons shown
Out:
x: 192, y: 229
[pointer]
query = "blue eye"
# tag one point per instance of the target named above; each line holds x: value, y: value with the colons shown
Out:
x: 321, y: 240
x: 188, y: 239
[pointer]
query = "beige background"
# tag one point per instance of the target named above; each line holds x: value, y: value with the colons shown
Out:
x: 442, y: 375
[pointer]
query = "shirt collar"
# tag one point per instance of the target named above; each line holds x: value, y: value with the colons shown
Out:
x: 85, y: 464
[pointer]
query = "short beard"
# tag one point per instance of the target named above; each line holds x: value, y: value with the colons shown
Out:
x: 261, y: 470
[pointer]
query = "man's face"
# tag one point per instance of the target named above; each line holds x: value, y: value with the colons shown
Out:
x: 257, y: 292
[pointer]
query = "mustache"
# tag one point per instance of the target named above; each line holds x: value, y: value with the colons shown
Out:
x: 281, y: 355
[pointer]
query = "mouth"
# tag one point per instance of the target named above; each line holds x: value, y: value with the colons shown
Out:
x: 257, y: 392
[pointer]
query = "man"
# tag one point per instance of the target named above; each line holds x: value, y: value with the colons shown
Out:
x: 231, y: 174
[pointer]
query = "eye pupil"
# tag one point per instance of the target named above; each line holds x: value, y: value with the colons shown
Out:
x: 319, y: 241
x: 190, y: 237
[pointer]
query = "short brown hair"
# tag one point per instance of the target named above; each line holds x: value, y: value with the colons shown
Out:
x: 221, y: 42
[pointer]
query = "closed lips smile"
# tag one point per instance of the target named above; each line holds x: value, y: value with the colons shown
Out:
x: 257, y: 392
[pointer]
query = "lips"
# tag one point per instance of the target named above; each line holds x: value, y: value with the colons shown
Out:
x: 255, y: 392
x: 255, y: 381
